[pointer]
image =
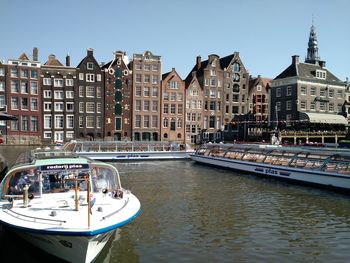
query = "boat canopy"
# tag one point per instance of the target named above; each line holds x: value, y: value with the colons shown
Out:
x: 314, y: 117
x: 329, y: 160
x: 54, y: 172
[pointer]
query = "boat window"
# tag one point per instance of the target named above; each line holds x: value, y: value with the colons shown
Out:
x: 217, y: 152
x: 19, y: 179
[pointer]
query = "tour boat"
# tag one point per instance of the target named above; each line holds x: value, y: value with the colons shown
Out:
x: 322, y: 167
x: 129, y: 150
x: 65, y: 204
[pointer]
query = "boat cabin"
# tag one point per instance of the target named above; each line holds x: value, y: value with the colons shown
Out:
x: 45, y: 172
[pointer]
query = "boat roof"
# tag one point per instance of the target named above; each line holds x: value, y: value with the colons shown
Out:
x: 45, y: 157
x: 277, y: 148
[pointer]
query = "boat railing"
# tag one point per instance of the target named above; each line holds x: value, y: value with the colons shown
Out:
x: 34, y: 218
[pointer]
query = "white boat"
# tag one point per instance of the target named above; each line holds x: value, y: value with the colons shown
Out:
x: 67, y: 205
x: 322, y: 167
x: 129, y: 151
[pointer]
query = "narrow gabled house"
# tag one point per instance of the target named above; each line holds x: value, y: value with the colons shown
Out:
x: 118, y: 95
x: 146, y: 71
x: 59, y: 83
x: 89, y: 100
x: 172, y: 109
x: 194, y: 109
x: 258, y: 106
x: 225, y: 85
x: 24, y: 99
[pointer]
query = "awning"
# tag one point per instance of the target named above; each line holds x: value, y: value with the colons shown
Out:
x: 7, y: 117
x: 314, y: 117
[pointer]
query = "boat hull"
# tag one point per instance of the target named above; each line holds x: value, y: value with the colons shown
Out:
x: 69, y: 248
x: 301, y: 176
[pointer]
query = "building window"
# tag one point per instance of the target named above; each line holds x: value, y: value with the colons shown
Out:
x: 70, y: 94
x: 289, y: 91
x: 47, y: 121
x: 173, y: 85
x: 138, y: 121
x: 14, y: 103
x: 278, y: 106
x: 70, y: 121
x: 289, y: 105
x: 70, y: 106
x: 47, y: 106
x: 14, y: 86
x: 14, y: 125
x: 24, y: 73
x: 58, y: 82
x: 47, y: 94
x: 155, y: 106
x: 166, y: 108
x: 155, y: 67
x: 322, y: 92
x: 47, y: 81
x: 90, y: 65
x: 34, y: 104
x: 98, y: 107
x: 147, y: 67
x: 138, y: 105
x: 81, y: 76
x: 81, y: 122
x: 313, y: 91
x: 312, y: 106
x: 34, y: 124
x: 47, y: 135
x: 90, y: 77
x: 90, y: 107
x: 33, y: 74
x: 146, y: 91
x: 146, y: 106
x: 2, y: 72
x: 236, y: 67
x: 138, y: 78
x: 98, y: 122
x: 81, y: 107
x: 90, y: 122
x: 146, y: 121
x: 2, y: 85
x: 165, y: 123
x: 98, y: 77
x: 34, y: 87
x: 179, y: 109
x: 331, y: 107
x: 58, y: 94
x: 90, y: 91
x: 303, y: 105
x: 24, y: 103
x: 331, y: 93
x: 322, y: 106
x: 212, y: 122
x: 24, y: 87
x: 58, y: 106
x: 14, y: 72
x: 339, y: 94
x: 303, y: 91
x: 24, y: 123
x: 59, y: 124
x: 147, y: 78
x: 278, y: 92
x: 155, y: 79
x: 172, y: 108
x: 70, y: 82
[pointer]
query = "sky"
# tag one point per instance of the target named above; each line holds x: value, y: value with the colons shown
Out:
x: 266, y: 33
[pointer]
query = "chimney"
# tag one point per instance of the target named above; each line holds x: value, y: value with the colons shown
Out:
x: 90, y: 52
x: 35, y: 54
x: 198, y: 62
x: 295, y: 59
x: 322, y: 63
x: 68, y: 60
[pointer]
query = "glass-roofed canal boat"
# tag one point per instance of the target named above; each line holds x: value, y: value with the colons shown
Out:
x: 324, y: 167
x: 68, y: 206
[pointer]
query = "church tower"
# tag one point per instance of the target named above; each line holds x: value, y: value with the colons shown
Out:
x: 312, y: 51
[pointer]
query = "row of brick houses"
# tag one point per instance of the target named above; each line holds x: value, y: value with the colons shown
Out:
x: 132, y: 100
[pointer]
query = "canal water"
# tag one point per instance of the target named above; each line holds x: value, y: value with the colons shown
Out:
x: 195, y: 213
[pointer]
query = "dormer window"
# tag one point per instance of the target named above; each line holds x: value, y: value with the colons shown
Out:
x: 321, y: 74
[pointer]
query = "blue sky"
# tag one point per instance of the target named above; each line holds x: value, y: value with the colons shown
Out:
x: 265, y: 32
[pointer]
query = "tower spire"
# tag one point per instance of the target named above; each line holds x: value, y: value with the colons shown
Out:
x: 312, y: 50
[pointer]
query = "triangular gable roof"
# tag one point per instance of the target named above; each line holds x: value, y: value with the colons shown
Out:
x: 84, y: 60
x: 23, y: 56
x: 53, y: 61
